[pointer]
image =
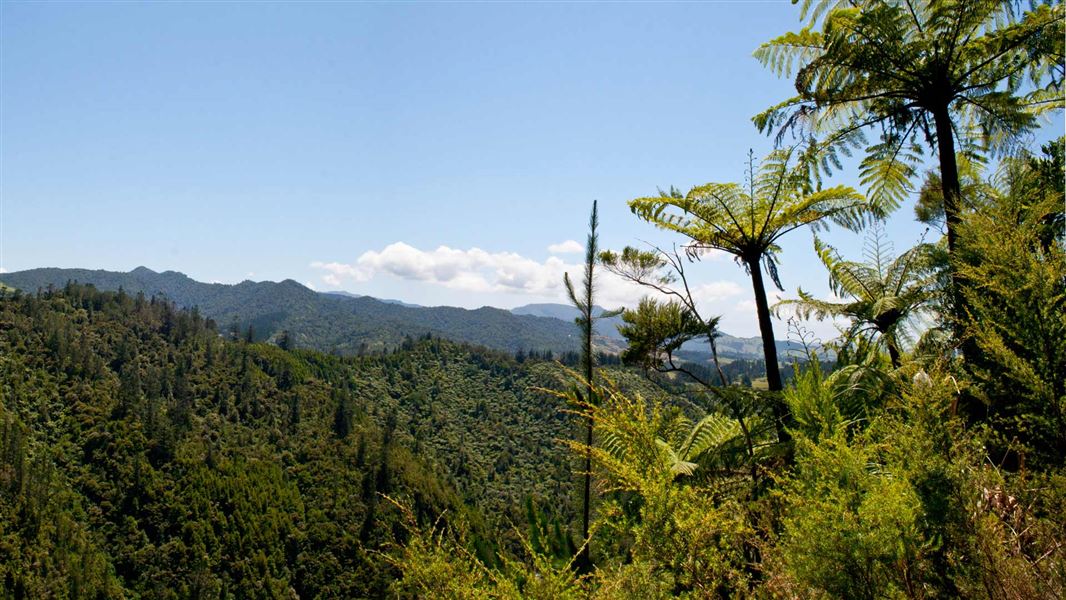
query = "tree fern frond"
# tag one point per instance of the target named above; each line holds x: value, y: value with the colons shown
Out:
x: 708, y: 434
x: 781, y: 53
x: 983, y: 69
x: 887, y: 171
x: 884, y: 296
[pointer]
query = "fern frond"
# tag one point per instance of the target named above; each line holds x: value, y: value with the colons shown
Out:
x: 709, y: 434
x: 782, y: 53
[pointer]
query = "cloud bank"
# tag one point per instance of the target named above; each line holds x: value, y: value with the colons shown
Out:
x: 477, y: 271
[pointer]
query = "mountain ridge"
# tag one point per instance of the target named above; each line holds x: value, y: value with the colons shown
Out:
x: 347, y: 323
x: 326, y: 322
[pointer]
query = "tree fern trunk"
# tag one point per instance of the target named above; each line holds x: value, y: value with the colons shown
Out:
x: 949, y: 174
x: 769, y: 348
x: 893, y: 354
x: 951, y: 188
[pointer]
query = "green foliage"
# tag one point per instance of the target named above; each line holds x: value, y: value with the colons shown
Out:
x: 973, y: 188
x: 176, y: 464
x: 663, y: 534
x: 908, y: 505
x: 324, y: 322
x: 747, y: 223
x: 1013, y: 270
x: 435, y: 566
x: 145, y: 457
x: 850, y: 529
x: 47, y: 548
x: 687, y: 442
x: 814, y: 406
x: 656, y: 330
x: 640, y: 442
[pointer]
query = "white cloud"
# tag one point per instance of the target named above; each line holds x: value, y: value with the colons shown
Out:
x: 336, y: 271
x: 715, y: 291
x: 746, y: 306
x: 488, y: 276
x: 567, y: 247
x: 473, y: 270
x: 3, y: 270
x: 477, y: 271
x: 772, y: 298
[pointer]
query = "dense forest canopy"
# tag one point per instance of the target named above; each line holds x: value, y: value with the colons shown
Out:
x: 145, y: 453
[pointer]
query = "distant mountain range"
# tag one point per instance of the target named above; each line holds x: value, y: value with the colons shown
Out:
x: 385, y: 300
x: 728, y: 346
x: 346, y: 323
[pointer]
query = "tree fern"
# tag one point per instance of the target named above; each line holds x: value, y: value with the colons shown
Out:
x: 747, y: 222
x: 881, y: 295
x: 948, y: 75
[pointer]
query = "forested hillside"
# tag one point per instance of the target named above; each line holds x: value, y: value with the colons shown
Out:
x: 145, y: 454
x: 349, y: 324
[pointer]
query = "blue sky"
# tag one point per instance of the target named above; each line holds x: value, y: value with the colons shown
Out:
x: 421, y: 151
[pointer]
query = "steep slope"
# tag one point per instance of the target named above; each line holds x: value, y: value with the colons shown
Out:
x: 143, y: 456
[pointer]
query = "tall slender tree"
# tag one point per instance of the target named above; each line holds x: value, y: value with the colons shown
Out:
x: 656, y: 330
x: 586, y: 320
x: 748, y: 223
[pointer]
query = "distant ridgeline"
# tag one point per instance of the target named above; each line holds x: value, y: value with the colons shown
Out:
x: 326, y: 322
x: 348, y: 324
x: 729, y: 346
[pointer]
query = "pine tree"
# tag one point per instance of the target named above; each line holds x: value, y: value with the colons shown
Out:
x: 586, y: 320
